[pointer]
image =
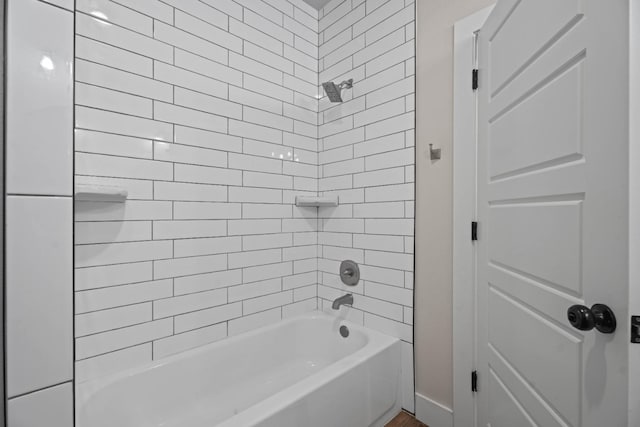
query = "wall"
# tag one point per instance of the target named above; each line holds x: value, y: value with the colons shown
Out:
x: 434, y: 92
x: 206, y: 112
x: 367, y: 159
x: 39, y: 145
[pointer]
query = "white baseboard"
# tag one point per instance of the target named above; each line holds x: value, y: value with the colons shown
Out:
x: 432, y: 413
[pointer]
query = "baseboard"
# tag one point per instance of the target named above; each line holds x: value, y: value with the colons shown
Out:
x: 432, y: 413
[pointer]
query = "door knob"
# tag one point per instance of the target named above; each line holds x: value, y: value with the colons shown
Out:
x: 599, y: 316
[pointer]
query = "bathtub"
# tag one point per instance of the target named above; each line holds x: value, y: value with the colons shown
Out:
x: 298, y: 372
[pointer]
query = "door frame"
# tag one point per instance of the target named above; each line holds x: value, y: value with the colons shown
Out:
x: 464, y: 212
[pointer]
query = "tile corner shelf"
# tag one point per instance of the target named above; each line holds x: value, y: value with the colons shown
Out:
x: 310, y: 201
x: 100, y: 193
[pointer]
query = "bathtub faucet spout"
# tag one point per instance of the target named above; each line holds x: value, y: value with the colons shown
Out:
x: 345, y: 299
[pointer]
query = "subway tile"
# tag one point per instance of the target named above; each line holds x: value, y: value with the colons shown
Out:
x: 111, y: 231
x: 259, y: 304
x: 267, y: 27
x: 392, y: 57
x: 115, y: 318
x: 112, y: 275
x: 132, y: 210
x: 210, y: 316
x: 267, y: 241
x: 176, y: 153
x: 206, y: 139
x: 207, y: 175
x: 251, y: 258
x: 384, y: 144
x: 105, y: 342
x: 256, y: 289
x: 390, y: 260
x: 207, y: 281
x: 177, y: 267
x: 391, y: 91
x: 199, y: 25
x: 206, y: 210
x: 379, y: 177
x: 116, y: 253
x: 258, y: 179
x: 105, y: 121
x: 206, y: 246
x: 184, y: 78
x: 264, y: 272
x: 190, y: 43
x: 102, y: 53
x: 123, y: 38
x: 255, y: 195
x: 229, y: 7
x: 255, y: 36
x: 122, y: 167
x: 378, y: 48
x: 259, y: 69
x: 106, y: 99
x: 254, y: 99
x: 379, y: 210
x: 117, y: 296
x: 115, y: 145
x: 268, y: 58
x: 138, y: 189
x: 187, y: 303
x: 253, y: 131
x: 258, y: 210
x: 254, y: 226
x: 206, y: 67
x: 189, y: 117
x: 210, y: 104
x: 116, y: 14
x: 180, y: 191
x: 389, y: 226
x: 389, y: 193
x: 154, y: 8
x: 301, y: 58
x: 163, y: 230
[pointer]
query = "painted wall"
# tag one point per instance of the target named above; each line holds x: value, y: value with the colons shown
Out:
x: 367, y: 158
x: 434, y: 97
x: 39, y: 269
x: 206, y: 112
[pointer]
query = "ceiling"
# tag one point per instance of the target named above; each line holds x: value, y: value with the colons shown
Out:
x: 318, y: 4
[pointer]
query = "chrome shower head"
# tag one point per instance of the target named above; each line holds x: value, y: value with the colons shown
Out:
x: 333, y: 90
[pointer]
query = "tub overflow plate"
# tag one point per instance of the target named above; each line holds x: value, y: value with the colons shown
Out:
x: 349, y: 273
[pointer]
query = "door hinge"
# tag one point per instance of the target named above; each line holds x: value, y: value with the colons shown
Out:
x: 474, y: 381
x: 474, y: 79
x: 474, y: 231
x: 635, y: 329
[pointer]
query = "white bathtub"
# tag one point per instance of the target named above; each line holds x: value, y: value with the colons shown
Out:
x: 299, y: 372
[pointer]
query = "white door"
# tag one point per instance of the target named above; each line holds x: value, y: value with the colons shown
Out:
x: 553, y: 212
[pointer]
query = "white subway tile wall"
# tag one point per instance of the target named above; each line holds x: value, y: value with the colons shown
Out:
x: 210, y: 113
x: 206, y: 112
x: 366, y: 157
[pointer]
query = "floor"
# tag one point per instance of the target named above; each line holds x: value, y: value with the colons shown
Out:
x: 405, y: 420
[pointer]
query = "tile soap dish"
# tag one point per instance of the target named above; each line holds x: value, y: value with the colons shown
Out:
x: 100, y: 193
x: 313, y: 201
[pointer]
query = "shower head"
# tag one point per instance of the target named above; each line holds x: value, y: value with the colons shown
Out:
x: 333, y: 90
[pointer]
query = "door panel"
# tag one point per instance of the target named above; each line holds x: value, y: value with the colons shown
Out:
x: 553, y: 212
x: 554, y: 258
x: 518, y: 143
x: 525, y: 32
